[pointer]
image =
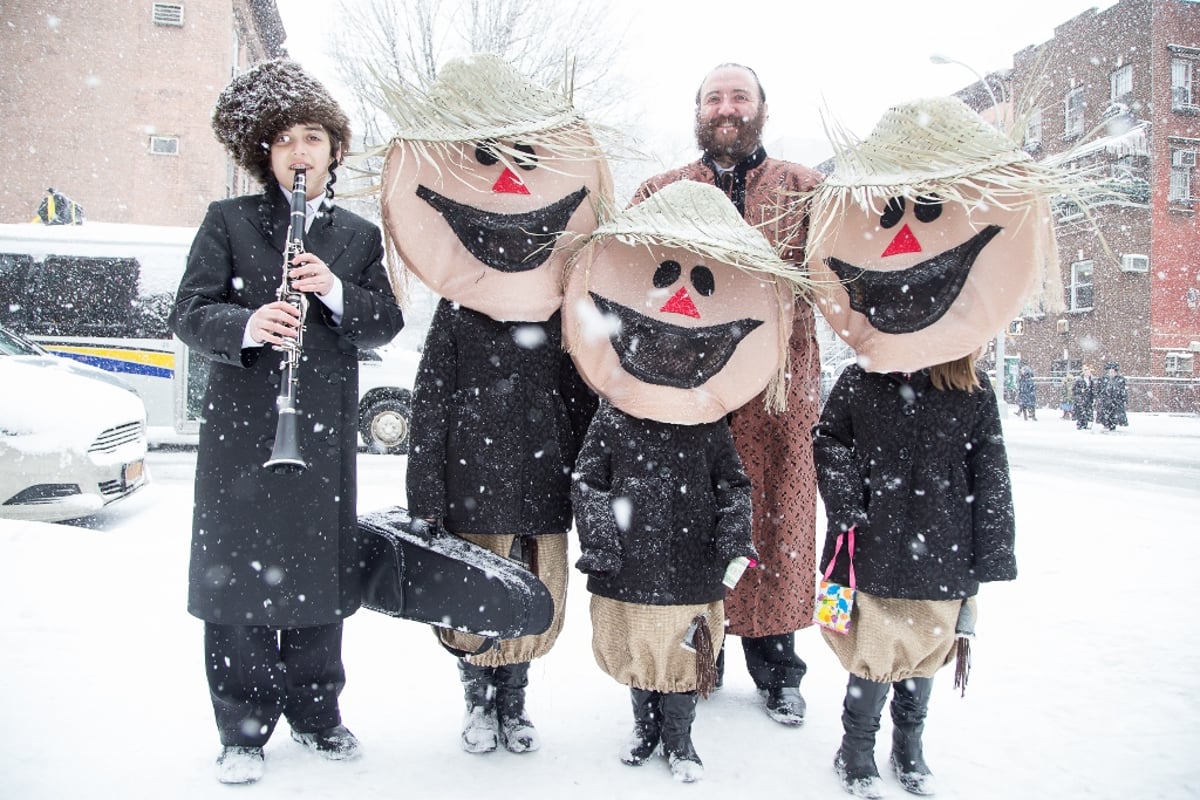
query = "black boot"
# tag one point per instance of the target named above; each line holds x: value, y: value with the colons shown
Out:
x: 855, y: 759
x: 647, y: 726
x: 678, y: 714
x: 516, y: 731
x: 910, y: 701
x: 479, y: 731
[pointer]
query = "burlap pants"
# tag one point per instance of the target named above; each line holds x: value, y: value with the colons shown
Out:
x: 890, y: 639
x: 551, y: 568
x: 639, y: 645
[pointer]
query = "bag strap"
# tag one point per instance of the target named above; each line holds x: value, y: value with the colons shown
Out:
x: 837, y: 548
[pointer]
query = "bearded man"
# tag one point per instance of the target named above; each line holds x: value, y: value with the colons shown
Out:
x: 775, y: 599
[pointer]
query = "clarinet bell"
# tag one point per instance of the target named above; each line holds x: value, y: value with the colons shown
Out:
x: 285, y: 455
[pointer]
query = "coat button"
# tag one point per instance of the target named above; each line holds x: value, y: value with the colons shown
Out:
x: 903, y: 454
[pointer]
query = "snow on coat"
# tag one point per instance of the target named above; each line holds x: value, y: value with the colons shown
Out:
x: 923, y: 473
x: 497, y: 416
x: 267, y: 549
x: 776, y: 449
x: 662, y: 509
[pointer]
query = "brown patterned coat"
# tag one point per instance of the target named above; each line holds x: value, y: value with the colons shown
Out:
x: 776, y: 449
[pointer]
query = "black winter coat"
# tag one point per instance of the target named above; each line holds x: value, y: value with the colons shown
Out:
x: 924, y: 475
x: 661, y: 509
x: 497, y: 417
x: 1084, y: 397
x: 277, y: 550
x: 1111, y: 396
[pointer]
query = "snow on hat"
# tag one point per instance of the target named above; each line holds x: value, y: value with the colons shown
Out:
x: 270, y: 97
x: 699, y: 217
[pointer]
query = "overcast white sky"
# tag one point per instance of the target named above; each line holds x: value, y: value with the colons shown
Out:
x: 857, y: 58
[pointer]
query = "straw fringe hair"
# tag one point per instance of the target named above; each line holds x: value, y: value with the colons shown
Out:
x: 481, y: 99
x: 699, y: 217
x: 940, y: 146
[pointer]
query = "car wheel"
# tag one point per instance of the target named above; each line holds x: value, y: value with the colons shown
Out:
x: 384, y: 423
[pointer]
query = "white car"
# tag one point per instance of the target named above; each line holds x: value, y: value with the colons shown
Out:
x: 72, y: 437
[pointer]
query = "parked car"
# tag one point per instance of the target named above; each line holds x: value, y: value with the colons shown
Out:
x: 385, y: 381
x: 72, y: 437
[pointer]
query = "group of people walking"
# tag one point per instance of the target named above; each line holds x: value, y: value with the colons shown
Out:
x: 1086, y: 398
x: 515, y: 440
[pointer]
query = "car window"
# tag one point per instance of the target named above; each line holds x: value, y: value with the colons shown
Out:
x: 13, y: 345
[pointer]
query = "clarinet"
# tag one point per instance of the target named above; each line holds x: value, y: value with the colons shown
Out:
x: 285, y: 455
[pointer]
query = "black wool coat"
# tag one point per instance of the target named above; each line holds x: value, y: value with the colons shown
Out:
x: 498, y: 413
x: 923, y: 473
x: 277, y: 550
x: 661, y: 509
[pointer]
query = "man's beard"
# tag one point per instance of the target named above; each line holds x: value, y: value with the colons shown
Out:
x: 749, y: 135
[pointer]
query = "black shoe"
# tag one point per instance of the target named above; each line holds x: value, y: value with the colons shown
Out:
x: 785, y: 705
x: 336, y: 743
x: 238, y: 764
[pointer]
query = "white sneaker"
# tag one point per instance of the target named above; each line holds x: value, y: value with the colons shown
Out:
x: 238, y: 764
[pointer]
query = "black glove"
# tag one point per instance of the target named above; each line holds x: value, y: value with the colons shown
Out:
x: 599, y: 563
x: 424, y: 529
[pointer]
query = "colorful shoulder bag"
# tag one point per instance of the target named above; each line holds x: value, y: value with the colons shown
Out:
x: 834, y: 601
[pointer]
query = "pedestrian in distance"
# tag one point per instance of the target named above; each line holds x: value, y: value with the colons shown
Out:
x: 774, y: 600
x: 1027, y: 395
x: 1067, y: 396
x: 1112, y: 394
x: 274, y: 557
x: 1083, y: 396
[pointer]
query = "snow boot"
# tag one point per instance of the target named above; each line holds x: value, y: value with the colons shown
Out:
x: 855, y: 759
x: 678, y: 714
x: 336, y: 743
x: 238, y: 764
x: 647, y: 727
x: 480, y: 728
x: 910, y: 701
x: 516, y: 731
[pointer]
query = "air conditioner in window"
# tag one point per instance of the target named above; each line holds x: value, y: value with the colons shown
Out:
x: 1016, y: 327
x: 1133, y: 262
x: 1183, y: 158
x: 1064, y: 326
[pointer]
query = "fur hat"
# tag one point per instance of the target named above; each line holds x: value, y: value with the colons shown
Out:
x: 270, y: 97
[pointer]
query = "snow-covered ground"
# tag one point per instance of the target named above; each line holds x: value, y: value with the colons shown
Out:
x: 1085, y: 681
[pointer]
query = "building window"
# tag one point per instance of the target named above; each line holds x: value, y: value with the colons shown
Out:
x: 164, y: 145
x: 1079, y: 291
x: 1182, y: 98
x: 1120, y: 83
x: 1135, y: 262
x: 1073, y: 113
x: 1033, y: 130
x: 1180, y: 364
x: 168, y: 14
x: 1183, y: 161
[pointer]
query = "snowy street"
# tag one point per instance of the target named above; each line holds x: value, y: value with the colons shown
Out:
x: 1085, y: 683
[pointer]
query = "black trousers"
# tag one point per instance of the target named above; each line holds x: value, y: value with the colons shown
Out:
x: 255, y: 674
x: 771, y: 660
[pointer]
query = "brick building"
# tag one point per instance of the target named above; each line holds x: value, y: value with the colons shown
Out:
x: 109, y: 102
x: 1118, y: 91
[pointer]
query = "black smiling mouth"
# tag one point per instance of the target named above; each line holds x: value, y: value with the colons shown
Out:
x: 670, y: 355
x: 908, y: 300
x: 506, y: 242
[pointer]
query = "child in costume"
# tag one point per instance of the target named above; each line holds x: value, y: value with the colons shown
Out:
x: 676, y: 312
x: 489, y: 179
x: 929, y: 237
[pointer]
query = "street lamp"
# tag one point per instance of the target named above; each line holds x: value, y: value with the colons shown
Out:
x: 938, y: 58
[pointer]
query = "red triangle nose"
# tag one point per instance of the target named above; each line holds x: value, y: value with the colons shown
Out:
x: 903, y: 242
x: 509, y: 183
x: 681, y: 303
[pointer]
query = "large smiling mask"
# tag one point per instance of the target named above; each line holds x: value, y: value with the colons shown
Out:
x: 679, y: 311
x: 930, y: 236
x: 487, y: 184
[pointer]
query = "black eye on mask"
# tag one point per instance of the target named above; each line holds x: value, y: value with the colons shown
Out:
x: 667, y: 273
x: 703, y: 280
x: 892, y: 213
